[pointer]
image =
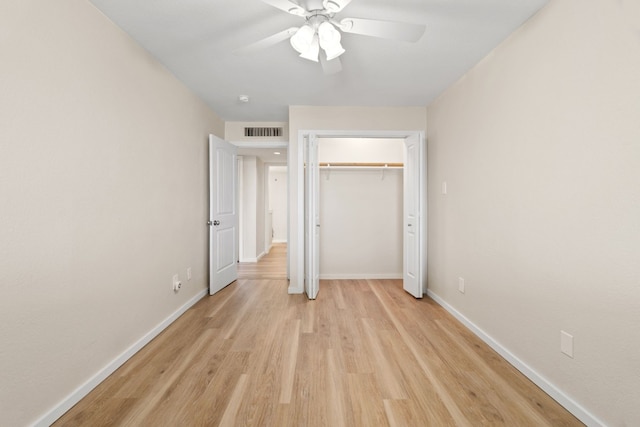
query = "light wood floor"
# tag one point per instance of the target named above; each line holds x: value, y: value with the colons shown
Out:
x: 364, y: 353
x: 271, y: 266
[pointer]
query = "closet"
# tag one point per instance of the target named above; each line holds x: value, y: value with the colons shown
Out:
x: 361, y: 207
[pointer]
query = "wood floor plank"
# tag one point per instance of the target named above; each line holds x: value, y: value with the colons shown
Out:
x: 338, y: 400
x: 364, y: 353
x: 292, y: 338
x: 153, y: 397
x: 231, y: 411
x: 367, y: 404
x: 387, y: 374
x: 435, y: 379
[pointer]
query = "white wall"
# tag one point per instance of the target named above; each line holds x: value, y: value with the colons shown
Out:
x: 278, y: 201
x: 334, y: 118
x: 260, y: 208
x: 361, y: 209
x: 103, y: 189
x: 360, y: 150
x: 253, y: 209
x: 361, y: 224
x: 540, y: 147
x: 249, y: 194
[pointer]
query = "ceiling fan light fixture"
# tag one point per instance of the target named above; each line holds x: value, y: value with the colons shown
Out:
x: 302, y: 40
x: 314, y: 50
x: 329, y: 38
x: 328, y: 35
x: 334, y: 51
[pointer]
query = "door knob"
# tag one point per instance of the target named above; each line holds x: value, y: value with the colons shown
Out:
x: 209, y: 223
x: 216, y: 222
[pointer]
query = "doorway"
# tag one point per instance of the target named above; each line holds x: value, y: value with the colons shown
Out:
x: 414, y: 207
x: 262, y: 200
x: 360, y: 206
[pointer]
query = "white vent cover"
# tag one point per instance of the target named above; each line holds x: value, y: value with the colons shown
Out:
x: 262, y: 132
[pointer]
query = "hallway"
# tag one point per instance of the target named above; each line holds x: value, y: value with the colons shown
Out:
x: 271, y: 266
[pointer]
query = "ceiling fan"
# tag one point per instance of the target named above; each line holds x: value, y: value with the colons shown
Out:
x: 322, y: 30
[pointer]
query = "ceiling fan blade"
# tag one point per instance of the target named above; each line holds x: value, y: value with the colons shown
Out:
x: 335, y: 6
x: 287, y: 6
x: 268, y: 41
x: 383, y: 29
x: 330, y: 67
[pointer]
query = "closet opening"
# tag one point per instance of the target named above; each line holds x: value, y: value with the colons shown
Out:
x: 325, y: 191
x: 361, y: 205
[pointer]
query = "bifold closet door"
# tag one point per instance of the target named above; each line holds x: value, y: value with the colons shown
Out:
x: 312, y: 217
x: 412, y: 262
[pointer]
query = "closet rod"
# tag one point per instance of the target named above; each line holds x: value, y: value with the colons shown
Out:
x: 358, y: 165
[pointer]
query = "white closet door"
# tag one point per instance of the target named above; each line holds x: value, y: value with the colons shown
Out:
x: 412, y: 263
x: 312, y: 218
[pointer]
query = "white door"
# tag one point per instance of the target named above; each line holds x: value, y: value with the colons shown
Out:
x: 413, y: 182
x: 223, y: 215
x: 312, y: 218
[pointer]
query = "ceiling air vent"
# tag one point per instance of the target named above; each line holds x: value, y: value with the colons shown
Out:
x: 262, y: 132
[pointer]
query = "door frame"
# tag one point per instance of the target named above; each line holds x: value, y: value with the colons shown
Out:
x: 270, y: 145
x: 298, y: 287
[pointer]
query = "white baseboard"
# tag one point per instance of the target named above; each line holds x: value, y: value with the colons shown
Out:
x: 360, y: 276
x: 300, y: 290
x: 57, y: 411
x: 260, y: 256
x: 558, y: 395
x: 248, y: 260
x: 279, y: 241
x: 294, y: 290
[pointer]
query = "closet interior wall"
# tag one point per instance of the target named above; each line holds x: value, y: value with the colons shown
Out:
x: 361, y: 208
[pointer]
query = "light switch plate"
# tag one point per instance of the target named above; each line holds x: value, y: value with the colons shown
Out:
x: 566, y: 343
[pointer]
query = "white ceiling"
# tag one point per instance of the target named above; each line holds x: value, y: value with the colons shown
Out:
x: 267, y: 155
x: 197, y: 40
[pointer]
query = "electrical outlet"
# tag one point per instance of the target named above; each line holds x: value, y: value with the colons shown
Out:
x: 188, y: 273
x: 461, y: 284
x: 176, y: 283
x: 566, y: 343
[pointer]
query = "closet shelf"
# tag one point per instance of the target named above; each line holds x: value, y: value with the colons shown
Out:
x: 361, y: 165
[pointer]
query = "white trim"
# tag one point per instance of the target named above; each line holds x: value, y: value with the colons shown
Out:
x: 268, y: 213
x: 260, y: 144
x: 391, y: 276
x: 558, y: 395
x: 57, y: 411
x: 294, y: 290
x: 278, y: 241
x: 244, y: 260
x: 240, y: 196
x: 297, y: 283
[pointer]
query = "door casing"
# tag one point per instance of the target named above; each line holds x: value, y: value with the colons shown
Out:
x: 296, y: 285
